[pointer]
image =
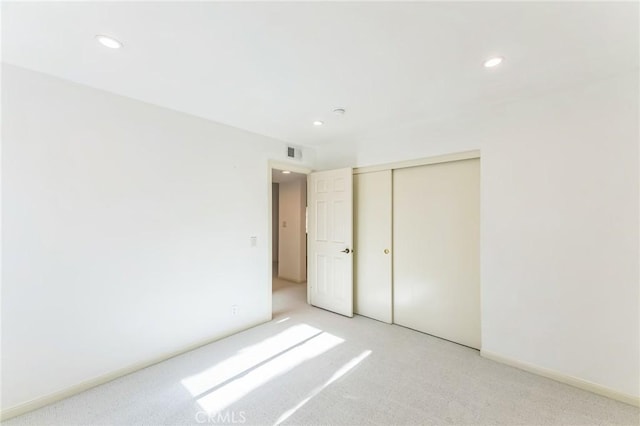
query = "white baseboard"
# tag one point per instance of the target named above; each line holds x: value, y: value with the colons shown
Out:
x: 563, y: 378
x: 34, y: 404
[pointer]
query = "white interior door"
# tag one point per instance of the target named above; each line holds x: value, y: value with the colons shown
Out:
x: 372, y: 244
x: 330, y: 240
x: 436, y: 241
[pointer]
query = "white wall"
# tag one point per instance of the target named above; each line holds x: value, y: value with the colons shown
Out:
x: 559, y: 245
x: 126, y: 232
x: 292, y: 241
x: 560, y: 235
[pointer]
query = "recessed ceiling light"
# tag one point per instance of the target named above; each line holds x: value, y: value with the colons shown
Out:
x: 286, y: 172
x: 493, y: 62
x: 109, y: 42
x: 339, y: 111
x: 318, y: 123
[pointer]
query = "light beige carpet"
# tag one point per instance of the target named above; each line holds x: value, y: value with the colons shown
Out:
x: 312, y: 367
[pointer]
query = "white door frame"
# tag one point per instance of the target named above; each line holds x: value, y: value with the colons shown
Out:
x: 277, y: 165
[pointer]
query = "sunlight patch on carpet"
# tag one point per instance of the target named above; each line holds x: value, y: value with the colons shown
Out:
x: 233, y: 391
x: 248, y: 358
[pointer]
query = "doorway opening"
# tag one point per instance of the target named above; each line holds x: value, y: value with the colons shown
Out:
x: 289, y: 239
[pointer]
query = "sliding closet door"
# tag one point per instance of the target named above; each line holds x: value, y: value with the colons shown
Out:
x: 372, y: 238
x: 436, y: 238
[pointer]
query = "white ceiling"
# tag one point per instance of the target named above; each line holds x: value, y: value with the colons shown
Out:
x: 274, y: 68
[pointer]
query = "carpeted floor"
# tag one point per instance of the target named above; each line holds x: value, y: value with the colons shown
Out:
x: 312, y: 367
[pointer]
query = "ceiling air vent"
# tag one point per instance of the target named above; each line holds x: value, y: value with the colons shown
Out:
x: 293, y: 152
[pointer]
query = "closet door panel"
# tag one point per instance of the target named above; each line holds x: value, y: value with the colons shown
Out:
x: 372, y: 214
x: 436, y: 238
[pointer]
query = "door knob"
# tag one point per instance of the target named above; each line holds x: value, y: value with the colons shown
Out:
x: 346, y: 251
x: 386, y: 251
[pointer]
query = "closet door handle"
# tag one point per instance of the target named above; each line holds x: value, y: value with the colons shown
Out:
x: 346, y: 251
x: 386, y: 251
